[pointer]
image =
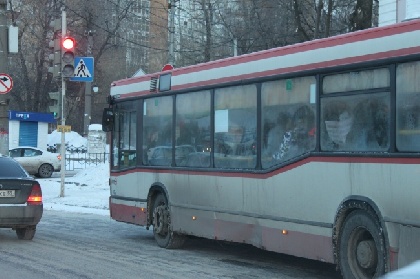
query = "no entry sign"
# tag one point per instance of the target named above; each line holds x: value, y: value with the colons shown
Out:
x: 6, y: 83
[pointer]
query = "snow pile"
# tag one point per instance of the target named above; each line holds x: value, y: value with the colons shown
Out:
x: 71, y: 138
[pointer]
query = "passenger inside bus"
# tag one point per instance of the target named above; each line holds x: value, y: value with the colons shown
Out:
x: 370, y: 126
x: 276, y: 133
x: 338, y: 121
x: 360, y: 124
x: 304, y: 128
x: 299, y: 137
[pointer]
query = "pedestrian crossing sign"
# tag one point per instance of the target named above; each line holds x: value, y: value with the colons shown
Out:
x: 83, y: 69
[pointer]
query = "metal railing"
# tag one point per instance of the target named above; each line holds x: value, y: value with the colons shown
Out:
x: 78, y: 158
x: 77, y: 161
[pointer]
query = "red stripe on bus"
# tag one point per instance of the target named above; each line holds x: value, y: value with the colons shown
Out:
x: 327, y: 64
x: 221, y: 173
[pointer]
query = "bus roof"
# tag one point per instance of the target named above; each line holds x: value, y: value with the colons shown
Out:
x: 372, y: 44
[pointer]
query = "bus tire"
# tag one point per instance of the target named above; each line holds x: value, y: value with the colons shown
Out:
x: 162, y: 229
x: 362, y: 252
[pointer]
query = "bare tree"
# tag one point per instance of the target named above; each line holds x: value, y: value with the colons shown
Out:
x: 30, y: 66
x: 206, y: 6
x: 256, y: 25
x: 197, y: 41
x: 361, y: 18
x: 110, y: 22
x: 328, y: 18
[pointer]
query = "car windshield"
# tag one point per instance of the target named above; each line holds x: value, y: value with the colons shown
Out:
x: 10, y: 168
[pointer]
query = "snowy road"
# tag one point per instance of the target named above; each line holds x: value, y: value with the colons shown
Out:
x: 77, y: 245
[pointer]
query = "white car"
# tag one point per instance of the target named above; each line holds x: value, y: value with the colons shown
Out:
x: 36, y: 161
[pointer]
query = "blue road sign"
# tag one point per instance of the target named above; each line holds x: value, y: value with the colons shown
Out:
x: 83, y: 69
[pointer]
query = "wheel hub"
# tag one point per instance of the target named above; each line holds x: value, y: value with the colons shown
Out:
x: 367, y: 256
x: 160, y: 220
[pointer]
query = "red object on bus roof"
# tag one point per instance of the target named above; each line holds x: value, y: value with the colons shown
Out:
x: 167, y: 67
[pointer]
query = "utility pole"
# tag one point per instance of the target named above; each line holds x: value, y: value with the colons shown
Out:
x: 171, y: 6
x: 4, y: 100
x: 88, y: 88
x: 63, y: 116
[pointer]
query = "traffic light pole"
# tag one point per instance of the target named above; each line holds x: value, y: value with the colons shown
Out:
x: 4, y: 113
x: 63, y: 118
x: 171, y: 57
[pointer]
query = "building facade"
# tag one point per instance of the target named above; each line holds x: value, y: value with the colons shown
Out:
x: 393, y: 11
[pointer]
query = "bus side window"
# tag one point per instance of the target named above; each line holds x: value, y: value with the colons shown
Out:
x: 408, y: 107
x: 299, y: 135
x: 236, y: 148
x: 235, y: 127
x: 408, y: 136
x: 370, y: 126
x: 161, y: 156
x: 356, y: 123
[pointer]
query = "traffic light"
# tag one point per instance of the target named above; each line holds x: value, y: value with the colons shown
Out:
x: 67, y: 56
x: 55, y: 56
x: 55, y: 102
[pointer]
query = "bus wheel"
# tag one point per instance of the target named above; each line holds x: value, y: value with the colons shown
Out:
x: 162, y: 229
x: 362, y: 252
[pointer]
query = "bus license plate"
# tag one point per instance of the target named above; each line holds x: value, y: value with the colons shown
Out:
x: 7, y: 193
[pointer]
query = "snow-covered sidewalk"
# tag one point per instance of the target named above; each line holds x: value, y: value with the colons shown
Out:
x: 85, y: 192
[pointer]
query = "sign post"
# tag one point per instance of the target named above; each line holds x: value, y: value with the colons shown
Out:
x: 63, y: 116
x: 83, y: 72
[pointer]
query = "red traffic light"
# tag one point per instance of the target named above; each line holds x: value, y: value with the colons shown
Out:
x: 69, y: 43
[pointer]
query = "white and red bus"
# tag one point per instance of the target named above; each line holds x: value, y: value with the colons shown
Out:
x: 311, y: 150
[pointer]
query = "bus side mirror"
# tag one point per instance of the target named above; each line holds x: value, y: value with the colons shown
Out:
x: 107, y: 120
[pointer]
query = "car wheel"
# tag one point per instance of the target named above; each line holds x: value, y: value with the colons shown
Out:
x: 162, y: 229
x: 27, y: 233
x: 45, y: 170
